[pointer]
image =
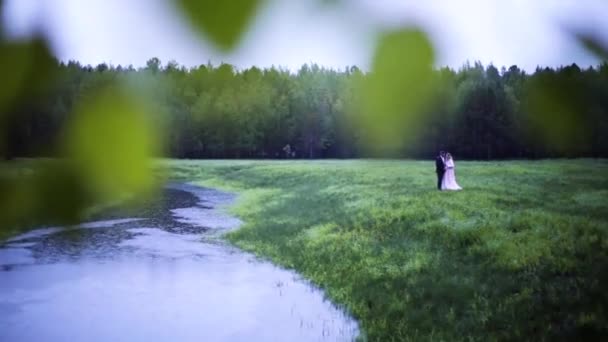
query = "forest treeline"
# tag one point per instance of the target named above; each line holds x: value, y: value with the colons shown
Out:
x: 476, y: 112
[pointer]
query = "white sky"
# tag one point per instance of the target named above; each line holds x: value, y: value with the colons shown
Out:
x: 290, y: 33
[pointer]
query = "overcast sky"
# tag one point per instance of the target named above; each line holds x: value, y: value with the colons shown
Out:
x: 292, y: 32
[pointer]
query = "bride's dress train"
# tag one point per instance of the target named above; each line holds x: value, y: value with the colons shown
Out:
x: 449, y: 178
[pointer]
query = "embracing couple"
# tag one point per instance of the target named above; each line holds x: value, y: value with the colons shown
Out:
x: 446, y: 177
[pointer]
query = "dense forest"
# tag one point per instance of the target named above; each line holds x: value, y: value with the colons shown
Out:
x: 476, y: 112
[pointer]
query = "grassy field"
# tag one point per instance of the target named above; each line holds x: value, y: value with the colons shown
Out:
x: 520, y: 254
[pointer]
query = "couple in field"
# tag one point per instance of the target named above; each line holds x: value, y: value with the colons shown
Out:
x: 446, y: 176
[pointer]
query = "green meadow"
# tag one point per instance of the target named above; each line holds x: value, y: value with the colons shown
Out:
x: 520, y: 254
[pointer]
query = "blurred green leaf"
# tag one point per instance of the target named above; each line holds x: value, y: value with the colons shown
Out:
x: 41, y: 192
x: 111, y: 141
x: 555, y: 103
x: 224, y: 22
x: 25, y: 68
x: 15, y: 196
x: 594, y: 45
x: 394, y: 96
x: 14, y: 65
x: 60, y: 193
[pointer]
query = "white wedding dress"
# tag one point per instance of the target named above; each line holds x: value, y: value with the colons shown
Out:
x: 449, y: 177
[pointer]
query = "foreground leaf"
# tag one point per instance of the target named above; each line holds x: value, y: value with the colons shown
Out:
x: 25, y: 69
x: 224, y: 22
x: 594, y: 45
x: 394, y: 95
x: 110, y: 140
x: 41, y: 192
x: 555, y: 104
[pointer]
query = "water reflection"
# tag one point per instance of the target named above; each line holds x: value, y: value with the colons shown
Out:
x: 153, y: 279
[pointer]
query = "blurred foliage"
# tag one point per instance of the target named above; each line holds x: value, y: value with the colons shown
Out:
x: 58, y: 193
x: 397, y: 89
x: 224, y: 22
x: 563, y: 107
x: 593, y: 43
x: 110, y: 141
x: 27, y: 71
x: 42, y: 192
x: 555, y: 102
x: 106, y: 149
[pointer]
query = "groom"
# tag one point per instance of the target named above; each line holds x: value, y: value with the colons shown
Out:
x: 440, y: 168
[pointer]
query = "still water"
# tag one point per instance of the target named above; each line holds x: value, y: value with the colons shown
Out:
x: 162, y: 276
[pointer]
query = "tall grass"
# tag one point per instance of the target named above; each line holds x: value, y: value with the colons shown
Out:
x: 520, y: 254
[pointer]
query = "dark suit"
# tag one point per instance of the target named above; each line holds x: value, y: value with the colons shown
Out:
x: 440, y: 169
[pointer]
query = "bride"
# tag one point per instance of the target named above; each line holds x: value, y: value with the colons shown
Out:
x: 449, y: 178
